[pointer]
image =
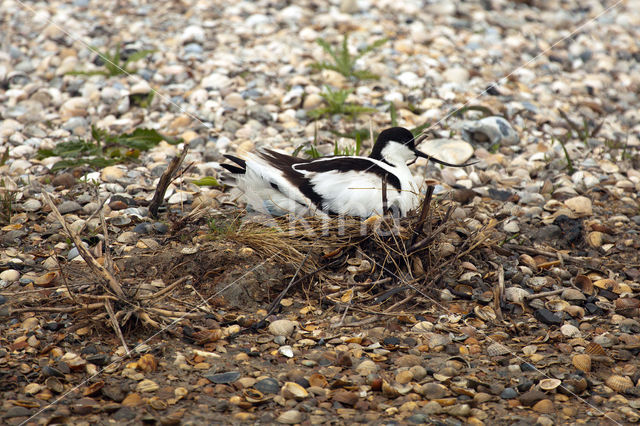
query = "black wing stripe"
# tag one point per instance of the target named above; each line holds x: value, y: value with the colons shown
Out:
x: 239, y: 161
x: 350, y: 164
x: 284, y: 163
x: 234, y: 169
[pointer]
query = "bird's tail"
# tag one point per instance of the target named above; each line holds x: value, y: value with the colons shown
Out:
x: 233, y: 170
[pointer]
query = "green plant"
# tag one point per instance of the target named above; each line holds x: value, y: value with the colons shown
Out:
x: 7, y: 200
x: 224, y: 227
x: 349, y: 151
x: 104, y: 149
x: 615, y: 146
x: 114, y: 63
x: 583, y: 132
x: 4, y: 157
x: 337, y: 104
x: 143, y: 100
x: 562, y: 141
x: 344, y: 62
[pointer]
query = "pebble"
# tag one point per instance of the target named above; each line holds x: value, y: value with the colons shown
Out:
x: 31, y: 205
x: 65, y: 180
x: 69, y: 207
x: 268, y: 386
x: 281, y: 327
x: 219, y: 378
x: 545, y: 316
x: 10, y: 275
x: 509, y: 393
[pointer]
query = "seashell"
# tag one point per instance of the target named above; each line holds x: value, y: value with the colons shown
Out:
x: 582, y: 362
x: 492, y: 130
x: 570, y: 330
x: 453, y: 151
x: 485, y: 313
x: 157, y: 404
x: 575, y: 311
x: 619, y: 384
x: 292, y: 390
x: 595, y: 349
x: 463, y: 290
x: 544, y: 406
x: 530, y: 350
x: 529, y: 261
x: 574, y: 385
x: 253, y: 396
x: 606, y: 283
x: 583, y: 282
x: 594, y: 239
x: 622, y: 288
x: 556, y: 305
x: 422, y: 326
x: 538, y: 283
x: 290, y: 417
x: 436, y: 340
x: 54, y: 385
x: 515, y: 294
x: 549, y: 384
x: 497, y: 349
x: 573, y: 295
x: 286, y: 350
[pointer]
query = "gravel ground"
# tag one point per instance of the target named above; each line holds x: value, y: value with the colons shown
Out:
x: 542, y: 94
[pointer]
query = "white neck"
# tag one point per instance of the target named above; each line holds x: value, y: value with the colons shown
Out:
x: 397, y: 154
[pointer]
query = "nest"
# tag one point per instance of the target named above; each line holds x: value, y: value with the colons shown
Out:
x: 367, y: 264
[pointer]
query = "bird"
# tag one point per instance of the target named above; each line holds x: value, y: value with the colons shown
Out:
x: 275, y: 183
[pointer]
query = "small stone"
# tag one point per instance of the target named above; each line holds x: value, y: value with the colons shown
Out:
x: 570, y: 331
x: 124, y: 414
x: 408, y: 361
x: 511, y: 227
x: 31, y: 205
x: 30, y: 324
x: 454, y: 151
x: 312, y: 101
x: 580, y: 205
x: 132, y: 400
x: 224, y: 378
x: 281, y: 327
x: 290, y: 417
x: 404, y: 377
x: 69, y: 207
x: 10, y: 275
x: 345, y: 397
x: 509, y: 393
x: 433, y: 391
x: 418, y: 372
x: 65, y: 180
x: 547, y: 317
x: 268, y: 385
x: 366, y: 367
x: 544, y: 406
x: 529, y: 398
x: 17, y: 411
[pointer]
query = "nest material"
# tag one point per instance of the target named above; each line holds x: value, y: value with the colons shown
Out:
x: 373, y: 259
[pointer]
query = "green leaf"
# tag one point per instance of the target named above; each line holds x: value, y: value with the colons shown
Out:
x: 144, y: 139
x: 96, y: 163
x: 206, y: 181
x: 141, y: 54
x: 417, y: 130
x: 87, y: 73
x: 394, y: 114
